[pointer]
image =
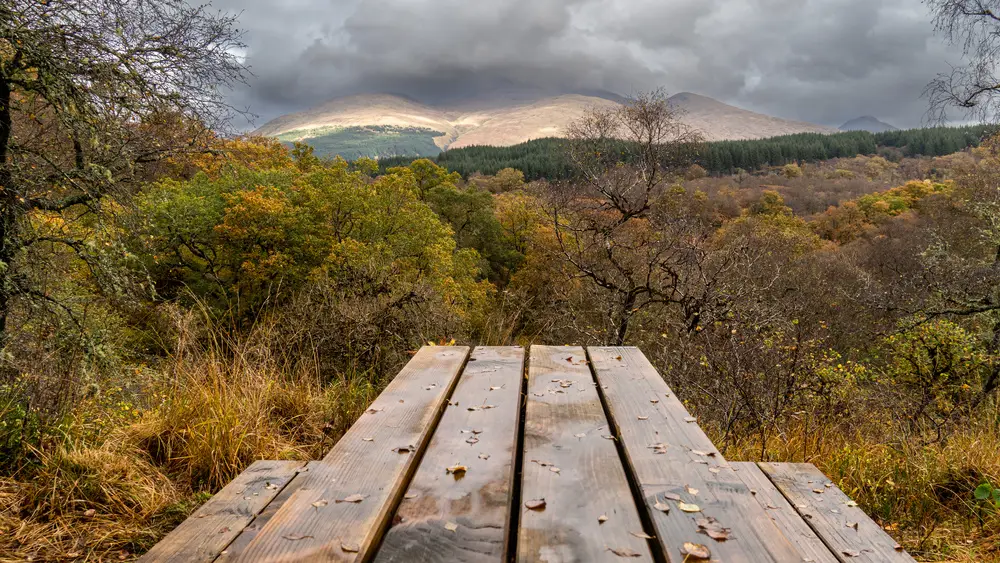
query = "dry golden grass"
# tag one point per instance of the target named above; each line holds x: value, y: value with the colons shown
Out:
x: 215, y: 409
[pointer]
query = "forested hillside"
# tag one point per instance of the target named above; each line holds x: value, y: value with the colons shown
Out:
x: 544, y: 158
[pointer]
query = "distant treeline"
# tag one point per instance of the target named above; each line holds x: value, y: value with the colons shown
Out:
x: 544, y: 158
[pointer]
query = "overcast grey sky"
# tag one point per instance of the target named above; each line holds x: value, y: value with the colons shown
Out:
x: 824, y: 61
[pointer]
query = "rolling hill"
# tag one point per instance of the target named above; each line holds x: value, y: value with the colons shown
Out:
x: 383, y: 125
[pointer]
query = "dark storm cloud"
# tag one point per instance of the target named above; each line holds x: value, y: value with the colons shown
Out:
x: 824, y: 61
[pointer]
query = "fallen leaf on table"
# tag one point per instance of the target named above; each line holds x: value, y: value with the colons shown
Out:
x: 270, y: 486
x: 608, y: 437
x: 554, y: 469
x: 456, y: 469
x: 484, y: 456
x: 295, y: 537
x: 602, y: 518
x: 695, y: 550
x: 643, y: 418
x: 496, y: 388
x: 852, y: 525
x: 473, y: 440
x: 320, y: 502
x: 690, y: 419
x: 350, y: 547
x: 849, y: 553
x: 403, y: 449
x: 619, y: 358
x: 580, y: 435
x: 570, y: 359
x: 714, y: 469
x: 451, y: 526
x: 654, y: 401
x: 819, y: 491
x: 672, y: 496
x: 535, y: 504
x: 368, y: 439
x: 662, y: 507
x: 851, y: 503
x: 373, y: 411
x: 691, y: 490
x: 898, y: 547
x: 89, y: 513
x: 352, y: 498
x: 711, y: 528
x: 641, y: 535
x: 624, y: 552
x: 409, y: 496
x: 658, y: 448
x: 688, y: 507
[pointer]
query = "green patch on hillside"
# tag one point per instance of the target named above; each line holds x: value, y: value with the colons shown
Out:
x: 378, y: 141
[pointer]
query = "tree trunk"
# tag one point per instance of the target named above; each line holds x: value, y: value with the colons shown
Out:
x: 627, y: 310
x: 10, y: 208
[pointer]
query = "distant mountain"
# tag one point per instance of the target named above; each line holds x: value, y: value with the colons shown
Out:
x: 383, y: 125
x: 867, y: 123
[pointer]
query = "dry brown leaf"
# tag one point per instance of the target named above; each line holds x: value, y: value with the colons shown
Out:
x: 658, y: 448
x: 89, y: 513
x: 711, y: 527
x: 403, y: 449
x: 688, y: 507
x: 320, y: 502
x: 580, y: 435
x: 690, y: 419
x: 624, y: 552
x: 898, y: 547
x: 374, y: 410
x: 484, y: 456
x: 456, y: 469
x: 641, y: 535
x: 619, y: 358
x: 662, y: 507
x: 352, y: 498
x: 714, y: 469
x: 554, y: 469
x: 852, y: 525
x: 473, y: 440
x: 819, y: 491
x: 654, y: 401
x: 672, y: 496
x: 496, y: 388
x: 850, y: 503
x: 409, y: 496
x: 695, y: 551
x: 643, y: 418
x: 849, y: 553
x: 450, y: 526
x: 535, y: 504
x: 295, y: 537
x: 270, y: 486
x: 368, y: 439
x: 602, y: 518
x: 350, y: 547
x: 691, y: 490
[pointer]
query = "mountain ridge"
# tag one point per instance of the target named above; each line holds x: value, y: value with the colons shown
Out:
x: 391, y: 125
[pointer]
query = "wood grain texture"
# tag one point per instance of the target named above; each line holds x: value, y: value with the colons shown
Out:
x: 464, y: 517
x: 671, y: 457
x: 782, y: 513
x: 565, y: 428
x: 373, y: 461
x: 833, y: 516
x: 214, y: 525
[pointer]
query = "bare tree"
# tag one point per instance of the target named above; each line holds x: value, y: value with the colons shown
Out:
x: 975, y: 87
x: 92, y: 93
x: 619, y: 223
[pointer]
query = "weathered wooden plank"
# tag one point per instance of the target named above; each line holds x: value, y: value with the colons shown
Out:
x: 210, y: 529
x: 340, y: 507
x: 464, y: 515
x: 239, y: 545
x: 673, y: 461
x: 844, y: 527
x: 782, y: 513
x: 570, y: 463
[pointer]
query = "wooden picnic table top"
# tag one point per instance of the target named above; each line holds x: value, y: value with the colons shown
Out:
x: 585, y: 456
